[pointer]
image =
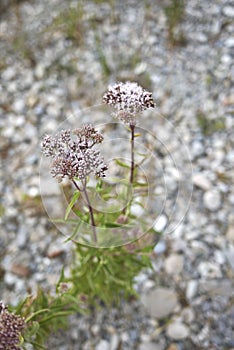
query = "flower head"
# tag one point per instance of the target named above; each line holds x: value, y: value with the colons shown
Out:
x: 11, y: 326
x: 129, y: 99
x: 74, y: 156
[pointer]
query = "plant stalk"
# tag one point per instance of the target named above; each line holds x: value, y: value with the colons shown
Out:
x: 132, y: 127
x: 89, y: 207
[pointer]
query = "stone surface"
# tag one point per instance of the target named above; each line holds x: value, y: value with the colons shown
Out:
x: 49, y: 81
x: 177, y: 330
x: 160, y: 302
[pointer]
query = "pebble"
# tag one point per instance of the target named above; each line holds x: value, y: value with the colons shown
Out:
x: 191, y: 289
x: 230, y: 256
x: 160, y: 223
x: 160, y: 302
x: 177, y: 330
x: 209, y: 270
x: 103, y: 345
x: 201, y: 181
x: 150, y: 346
x: 174, y: 264
x: 197, y: 149
x: 212, y: 200
x: 228, y: 11
x: 230, y: 233
x: 36, y: 99
x: 160, y: 247
x: 114, y: 342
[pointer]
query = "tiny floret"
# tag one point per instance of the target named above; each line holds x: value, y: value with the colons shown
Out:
x: 73, y: 153
x: 129, y: 99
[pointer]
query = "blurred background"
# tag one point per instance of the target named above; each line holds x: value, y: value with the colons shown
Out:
x: 57, y: 58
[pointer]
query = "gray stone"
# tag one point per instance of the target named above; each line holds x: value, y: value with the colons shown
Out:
x: 114, y: 342
x: 150, y: 346
x: 212, y: 200
x: 191, y: 289
x: 209, y: 270
x: 160, y: 302
x: 230, y: 257
x: 177, y: 330
x: 174, y: 264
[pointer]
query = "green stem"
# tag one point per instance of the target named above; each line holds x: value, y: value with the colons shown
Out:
x: 91, y: 214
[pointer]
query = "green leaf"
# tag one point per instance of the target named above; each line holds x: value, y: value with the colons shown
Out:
x: 31, y: 317
x: 124, y: 165
x: 70, y: 238
x: 71, y: 204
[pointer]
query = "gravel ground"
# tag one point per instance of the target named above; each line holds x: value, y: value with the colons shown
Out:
x: 56, y: 60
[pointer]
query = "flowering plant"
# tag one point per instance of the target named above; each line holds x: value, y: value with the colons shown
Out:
x: 107, y: 254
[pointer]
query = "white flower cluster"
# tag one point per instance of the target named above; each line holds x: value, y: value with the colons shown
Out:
x: 129, y: 99
x: 74, y: 158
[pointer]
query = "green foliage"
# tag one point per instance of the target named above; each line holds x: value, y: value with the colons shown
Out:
x: 70, y: 23
x: 45, y: 314
x: 106, y: 275
x: 210, y: 126
x: 174, y: 13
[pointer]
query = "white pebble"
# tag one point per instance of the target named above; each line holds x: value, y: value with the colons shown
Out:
x: 177, y: 330
x: 212, y: 200
x: 160, y: 223
x: 174, y: 264
x: 201, y: 181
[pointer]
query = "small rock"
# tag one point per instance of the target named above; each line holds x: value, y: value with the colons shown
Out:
x: 212, y: 200
x: 140, y: 68
x: 160, y: 223
x: 150, y: 346
x: 216, y: 287
x: 188, y: 315
x: 209, y: 270
x: 177, y: 330
x: 230, y: 233
x: 39, y: 71
x: 9, y: 279
x: 174, y: 264
x: 18, y: 106
x: 173, y: 347
x: 201, y: 181
x: 22, y: 236
x: 230, y: 257
x: 20, y: 270
x: 95, y: 329
x: 160, y: 247
x: 229, y: 42
x: 8, y: 74
x: 160, y: 302
x: 228, y: 11
x: 197, y: 149
x: 191, y: 289
x: 114, y: 342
